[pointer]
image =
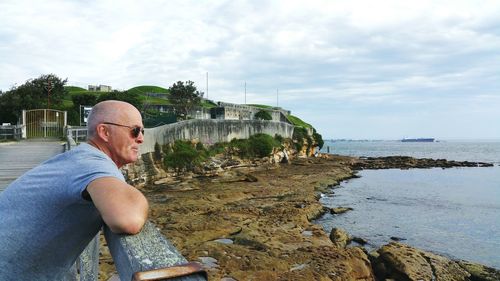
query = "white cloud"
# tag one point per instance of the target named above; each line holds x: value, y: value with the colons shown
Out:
x: 369, y: 57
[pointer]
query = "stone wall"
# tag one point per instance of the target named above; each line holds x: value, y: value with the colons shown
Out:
x: 212, y: 131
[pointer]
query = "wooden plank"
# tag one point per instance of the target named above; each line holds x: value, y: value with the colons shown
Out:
x: 16, y: 158
x: 145, y: 251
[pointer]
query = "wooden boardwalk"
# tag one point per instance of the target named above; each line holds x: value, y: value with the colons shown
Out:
x: 19, y: 157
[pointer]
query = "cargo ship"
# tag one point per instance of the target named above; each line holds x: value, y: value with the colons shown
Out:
x: 418, y: 140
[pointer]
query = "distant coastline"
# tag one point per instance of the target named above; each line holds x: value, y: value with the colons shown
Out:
x: 418, y: 140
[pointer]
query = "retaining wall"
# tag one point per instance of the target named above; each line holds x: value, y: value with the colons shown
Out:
x: 212, y: 131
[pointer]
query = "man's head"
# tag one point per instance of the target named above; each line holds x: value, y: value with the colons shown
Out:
x: 115, y: 127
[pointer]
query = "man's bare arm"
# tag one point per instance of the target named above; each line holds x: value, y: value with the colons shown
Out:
x: 123, y: 208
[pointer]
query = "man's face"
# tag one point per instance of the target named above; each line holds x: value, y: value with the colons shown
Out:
x: 124, y: 147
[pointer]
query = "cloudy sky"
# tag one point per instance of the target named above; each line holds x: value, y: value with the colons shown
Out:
x: 353, y: 69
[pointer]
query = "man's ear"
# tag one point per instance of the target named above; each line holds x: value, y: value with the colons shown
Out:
x: 103, y: 132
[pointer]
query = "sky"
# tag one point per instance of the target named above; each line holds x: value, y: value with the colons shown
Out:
x: 358, y: 69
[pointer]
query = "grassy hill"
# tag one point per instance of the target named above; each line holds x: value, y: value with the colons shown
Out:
x: 142, y: 90
x: 73, y: 89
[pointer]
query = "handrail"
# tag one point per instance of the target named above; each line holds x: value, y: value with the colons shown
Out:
x: 14, y: 131
x: 148, y: 255
x: 76, y: 134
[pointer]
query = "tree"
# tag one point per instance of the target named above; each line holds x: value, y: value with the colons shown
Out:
x: 83, y: 99
x: 184, y: 97
x: 130, y: 97
x: 78, y: 100
x: 46, y: 91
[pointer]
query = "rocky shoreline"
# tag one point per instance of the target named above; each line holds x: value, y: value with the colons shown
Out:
x: 253, y: 221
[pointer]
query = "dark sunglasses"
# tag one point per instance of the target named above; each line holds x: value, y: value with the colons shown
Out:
x: 134, y: 130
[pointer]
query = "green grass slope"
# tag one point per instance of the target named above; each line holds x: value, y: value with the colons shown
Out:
x: 296, y: 121
x: 74, y: 89
x: 142, y: 90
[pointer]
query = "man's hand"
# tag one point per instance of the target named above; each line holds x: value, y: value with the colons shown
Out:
x: 123, y: 208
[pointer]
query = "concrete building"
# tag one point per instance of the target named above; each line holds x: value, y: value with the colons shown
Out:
x: 100, y: 88
x: 231, y: 111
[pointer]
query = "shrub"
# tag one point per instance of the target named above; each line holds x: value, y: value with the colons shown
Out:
x: 242, y: 147
x: 259, y: 145
x: 263, y: 115
x: 262, y: 144
x: 319, y: 139
x: 183, y: 156
x: 278, y: 138
x: 299, y: 134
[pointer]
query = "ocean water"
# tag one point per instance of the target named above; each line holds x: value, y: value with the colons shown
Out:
x: 485, y: 151
x: 454, y: 212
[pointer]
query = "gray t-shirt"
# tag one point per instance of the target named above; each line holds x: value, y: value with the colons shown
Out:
x: 44, y: 222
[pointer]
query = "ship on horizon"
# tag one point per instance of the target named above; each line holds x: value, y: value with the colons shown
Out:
x: 418, y: 140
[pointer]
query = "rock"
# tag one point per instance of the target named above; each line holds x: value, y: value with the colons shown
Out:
x: 208, y: 262
x: 359, y: 240
x: 250, y: 178
x: 360, y: 265
x: 405, y: 162
x: 402, y: 262
x: 339, y: 237
x: 340, y: 210
x: 480, y: 272
x: 395, y: 238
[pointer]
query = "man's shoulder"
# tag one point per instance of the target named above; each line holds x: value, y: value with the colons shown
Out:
x: 82, y: 157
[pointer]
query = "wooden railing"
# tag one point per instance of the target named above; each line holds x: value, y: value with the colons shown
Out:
x: 77, y: 133
x: 147, y: 255
x: 11, y: 132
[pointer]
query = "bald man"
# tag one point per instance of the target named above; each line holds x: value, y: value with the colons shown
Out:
x: 50, y: 214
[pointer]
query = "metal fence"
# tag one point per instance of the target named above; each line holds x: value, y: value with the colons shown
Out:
x: 44, y: 123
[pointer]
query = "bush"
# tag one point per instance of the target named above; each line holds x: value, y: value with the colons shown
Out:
x: 262, y: 144
x: 183, y: 156
x: 319, y: 139
x: 278, y: 138
x: 259, y: 145
x: 299, y: 134
x: 242, y: 147
x: 263, y: 115
x: 217, y: 148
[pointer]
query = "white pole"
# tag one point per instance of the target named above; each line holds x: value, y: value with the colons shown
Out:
x: 277, y: 101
